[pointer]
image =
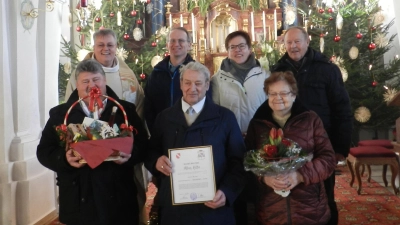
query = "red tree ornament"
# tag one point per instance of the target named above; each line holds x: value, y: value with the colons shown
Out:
x: 321, y: 35
x: 330, y: 10
x: 359, y: 35
x: 97, y: 19
x: 321, y: 10
x: 142, y: 76
x: 374, y: 83
x: 153, y: 44
x: 166, y: 54
x: 133, y: 13
x: 126, y: 36
x: 336, y: 38
x: 371, y: 46
x: 139, y: 21
x: 78, y: 28
x: 112, y: 14
x: 101, y: 27
x: 330, y: 18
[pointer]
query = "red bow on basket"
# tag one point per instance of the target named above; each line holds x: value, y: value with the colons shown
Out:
x: 94, y: 97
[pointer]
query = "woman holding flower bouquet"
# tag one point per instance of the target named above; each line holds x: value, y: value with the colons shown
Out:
x: 289, y: 194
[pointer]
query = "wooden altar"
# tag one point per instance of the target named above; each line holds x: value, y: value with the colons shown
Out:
x: 208, y: 31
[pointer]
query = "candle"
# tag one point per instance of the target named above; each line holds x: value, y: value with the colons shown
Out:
x: 264, y: 27
x: 212, y: 43
x: 252, y: 26
x: 181, y: 20
x: 275, y: 26
x: 205, y: 43
x: 193, y: 32
x: 170, y: 20
x: 83, y: 3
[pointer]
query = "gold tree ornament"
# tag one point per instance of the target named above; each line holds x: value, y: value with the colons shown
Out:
x: 122, y: 53
x: 389, y: 94
x: 381, y: 40
x: 362, y: 114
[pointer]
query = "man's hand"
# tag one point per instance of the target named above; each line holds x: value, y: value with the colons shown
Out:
x: 218, y: 201
x: 164, y: 165
x: 124, y: 158
x: 73, y: 160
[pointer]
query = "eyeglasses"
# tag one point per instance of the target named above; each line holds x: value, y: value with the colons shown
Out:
x: 240, y: 46
x: 180, y: 41
x: 281, y: 94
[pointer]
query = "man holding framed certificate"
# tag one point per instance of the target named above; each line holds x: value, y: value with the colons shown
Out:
x: 196, y: 151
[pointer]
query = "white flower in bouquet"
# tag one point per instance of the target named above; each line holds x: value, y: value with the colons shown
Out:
x: 264, y: 63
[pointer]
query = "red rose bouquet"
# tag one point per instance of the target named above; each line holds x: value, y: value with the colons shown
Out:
x: 278, y: 155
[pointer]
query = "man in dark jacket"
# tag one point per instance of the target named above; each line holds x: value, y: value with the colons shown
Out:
x: 321, y: 89
x: 104, y: 195
x: 208, y: 124
x: 162, y: 88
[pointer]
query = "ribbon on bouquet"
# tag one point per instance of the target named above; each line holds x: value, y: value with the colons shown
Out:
x: 94, y: 97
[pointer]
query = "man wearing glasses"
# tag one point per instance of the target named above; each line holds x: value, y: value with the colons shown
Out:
x: 162, y: 88
x: 238, y: 86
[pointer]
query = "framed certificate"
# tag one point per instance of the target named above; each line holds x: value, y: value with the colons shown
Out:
x: 192, y: 177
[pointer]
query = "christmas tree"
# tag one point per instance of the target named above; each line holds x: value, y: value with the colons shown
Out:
x: 354, y: 36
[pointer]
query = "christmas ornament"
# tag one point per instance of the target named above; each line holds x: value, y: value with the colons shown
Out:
x: 153, y: 44
x: 122, y: 53
x: 344, y: 73
x: 139, y: 21
x: 97, y: 19
x: 390, y: 93
x: 149, y: 8
x: 142, y: 76
x: 321, y: 10
x: 362, y: 114
x: 133, y: 13
x: 78, y: 28
x: 371, y: 46
x: 101, y: 27
x: 155, y: 60
x: 119, y: 18
x: 353, y: 52
x: 166, y: 54
x: 137, y: 34
x: 82, y: 54
x: 112, y: 14
x: 381, y: 40
x: 374, y: 83
x: 359, y: 35
x: 330, y: 18
x: 67, y: 67
x: 164, y: 31
x: 336, y: 38
x: 378, y: 18
x: 330, y: 10
x: 373, y: 28
x: 126, y: 36
x: 321, y: 43
x: 339, y: 21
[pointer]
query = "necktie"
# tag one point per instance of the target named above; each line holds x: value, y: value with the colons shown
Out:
x: 190, y: 116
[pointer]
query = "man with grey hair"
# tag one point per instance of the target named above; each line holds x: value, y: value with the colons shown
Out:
x: 106, y: 194
x: 195, y: 120
x: 119, y: 76
x: 321, y: 89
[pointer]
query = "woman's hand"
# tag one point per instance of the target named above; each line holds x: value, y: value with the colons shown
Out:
x: 124, y: 158
x: 164, y: 165
x: 278, y: 182
x: 73, y: 160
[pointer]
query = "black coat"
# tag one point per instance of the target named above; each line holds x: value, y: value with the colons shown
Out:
x: 104, y: 195
x: 321, y: 89
x: 214, y: 126
x: 162, y: 89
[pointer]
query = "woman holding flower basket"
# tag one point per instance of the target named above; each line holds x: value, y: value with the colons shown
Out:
x: 292, y: 155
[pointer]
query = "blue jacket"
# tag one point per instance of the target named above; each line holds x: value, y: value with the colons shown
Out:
x: 321, y: 89
x: 214, y: 126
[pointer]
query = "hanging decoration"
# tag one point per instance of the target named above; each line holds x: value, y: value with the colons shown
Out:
x: 353, y: 52
x: 389, y: 94
x: 122, y: 53
x: 362, y: 114
x: 381, y: 40
x: 339, y: 21
x: 119, y: 18
x: 378, y: 18
x: 372, y: 46
x: 137, y: 34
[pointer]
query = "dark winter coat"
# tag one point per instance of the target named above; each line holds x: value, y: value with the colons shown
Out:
x: 104, y: 195
x: 162, y: 89
x: 214, y: 126
x: 307, y: 202
x: 321, y: 89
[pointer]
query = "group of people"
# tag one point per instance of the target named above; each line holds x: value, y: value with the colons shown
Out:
x: 231, y: 111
